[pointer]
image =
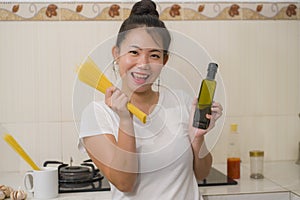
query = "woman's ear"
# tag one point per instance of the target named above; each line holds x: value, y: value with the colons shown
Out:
x: 115, y: 52
x: 166, y: 58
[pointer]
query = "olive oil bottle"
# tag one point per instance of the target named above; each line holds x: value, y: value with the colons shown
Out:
x: 205, y: 98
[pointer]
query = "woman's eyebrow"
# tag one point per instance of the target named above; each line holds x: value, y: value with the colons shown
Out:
x: 156, y: 50
x: 152, y: 50
x: 136, y: 47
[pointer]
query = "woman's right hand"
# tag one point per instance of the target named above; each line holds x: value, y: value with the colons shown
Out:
x: 117, y: 101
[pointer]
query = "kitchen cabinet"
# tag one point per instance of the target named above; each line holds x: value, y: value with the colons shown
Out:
x: 294, y: 197
x: 259, y: 196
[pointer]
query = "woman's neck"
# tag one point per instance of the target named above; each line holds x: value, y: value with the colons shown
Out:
x: 145, y: 101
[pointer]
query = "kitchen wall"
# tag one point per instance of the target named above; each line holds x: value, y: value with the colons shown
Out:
x: 258, y: 53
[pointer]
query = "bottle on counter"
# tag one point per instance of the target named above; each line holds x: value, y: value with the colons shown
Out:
x: 233, y: 153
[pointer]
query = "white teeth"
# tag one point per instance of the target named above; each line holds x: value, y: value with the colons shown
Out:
x: 140, y: 76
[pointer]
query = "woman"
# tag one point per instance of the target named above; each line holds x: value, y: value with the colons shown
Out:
x: 160, y: 159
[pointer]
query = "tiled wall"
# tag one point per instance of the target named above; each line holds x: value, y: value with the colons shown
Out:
x: 259, y: 62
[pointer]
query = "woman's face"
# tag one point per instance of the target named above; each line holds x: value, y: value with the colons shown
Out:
x: 140, y: 58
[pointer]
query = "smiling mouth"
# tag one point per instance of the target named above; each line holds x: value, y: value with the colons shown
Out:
x: 139, y: 76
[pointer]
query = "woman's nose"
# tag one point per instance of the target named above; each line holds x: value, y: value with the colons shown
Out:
x: 143, y: 61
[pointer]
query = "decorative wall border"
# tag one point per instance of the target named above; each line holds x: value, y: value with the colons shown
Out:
x: 116, y: 11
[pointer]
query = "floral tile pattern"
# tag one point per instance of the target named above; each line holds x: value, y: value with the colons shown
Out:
x: 168, y: 11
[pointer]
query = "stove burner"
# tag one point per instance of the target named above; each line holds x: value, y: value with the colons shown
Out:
x: 75, y: 173
x: 78, y: 178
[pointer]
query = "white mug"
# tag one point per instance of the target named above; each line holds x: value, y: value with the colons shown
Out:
x: 44, y: 182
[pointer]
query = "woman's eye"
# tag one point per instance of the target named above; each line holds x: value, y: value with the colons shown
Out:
x: 155, y: 56
x: 133, y: 52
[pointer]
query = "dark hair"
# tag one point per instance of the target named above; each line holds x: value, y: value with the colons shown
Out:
x: 144, y: 14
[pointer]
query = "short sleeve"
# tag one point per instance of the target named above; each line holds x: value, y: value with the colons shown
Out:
x: 97, y: 118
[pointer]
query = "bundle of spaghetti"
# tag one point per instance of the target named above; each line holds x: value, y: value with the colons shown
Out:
x: 90, y: 74
x: 15, y: 145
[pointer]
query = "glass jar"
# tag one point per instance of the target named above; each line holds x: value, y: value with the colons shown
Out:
x: 256, y: 164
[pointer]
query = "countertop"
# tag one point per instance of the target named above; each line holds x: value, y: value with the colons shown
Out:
x: 280, y: 176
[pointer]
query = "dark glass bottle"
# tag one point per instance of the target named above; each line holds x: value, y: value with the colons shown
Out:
x: 205, y: 98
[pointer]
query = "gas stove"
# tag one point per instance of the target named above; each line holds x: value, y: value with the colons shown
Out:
x: 82, y: 178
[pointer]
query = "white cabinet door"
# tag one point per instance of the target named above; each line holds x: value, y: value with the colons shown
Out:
x: 294, y: 197
x: 258, y: 196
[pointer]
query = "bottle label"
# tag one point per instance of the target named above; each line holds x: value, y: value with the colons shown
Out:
x: 200, y: 120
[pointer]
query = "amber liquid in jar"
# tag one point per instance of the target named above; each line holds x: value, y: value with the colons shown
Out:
x: 233, y: 168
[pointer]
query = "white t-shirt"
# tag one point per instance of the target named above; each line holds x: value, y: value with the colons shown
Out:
x: 163, y: 147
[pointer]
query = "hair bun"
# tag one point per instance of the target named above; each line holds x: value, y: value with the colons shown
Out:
x: 144, y: 7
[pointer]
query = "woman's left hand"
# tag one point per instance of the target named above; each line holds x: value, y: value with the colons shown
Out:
x: 216, y: 113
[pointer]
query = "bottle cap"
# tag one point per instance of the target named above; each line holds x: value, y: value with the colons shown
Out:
x: 233, y: 127
x: 212, y: 66
x: 256, y: 153
x: 211, y: 71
